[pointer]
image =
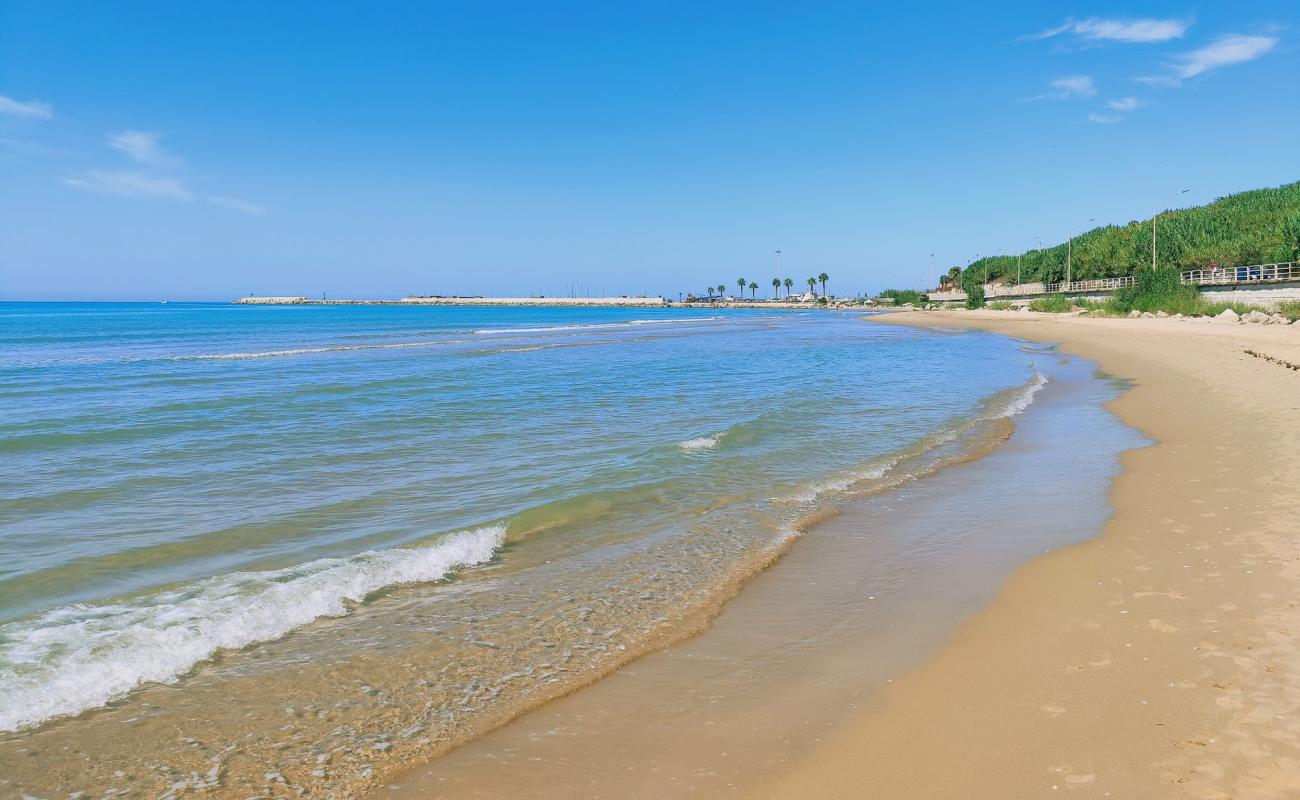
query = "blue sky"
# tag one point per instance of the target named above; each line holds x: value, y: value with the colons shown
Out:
x: 204, y: 151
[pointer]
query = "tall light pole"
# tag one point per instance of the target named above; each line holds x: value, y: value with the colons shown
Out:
x: 778, y: 265
x: 1069, y: 256
x: 1153, y: 224
x: 932, y: 271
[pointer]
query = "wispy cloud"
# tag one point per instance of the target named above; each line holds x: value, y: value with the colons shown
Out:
x: 130, y: 184
x: 238, y: 205
x: 1226, y: 50
x: 1069, y: 86
x: 143, y: 147
x: 158, y: 176
x: 1229, y: 49
x: 1122, y: 105
x: 31, y: 109
x: 1129, y: 31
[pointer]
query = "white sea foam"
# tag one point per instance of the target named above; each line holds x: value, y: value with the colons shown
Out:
x: 702, y: 442
x: 840, y: 482
x: 1025, y: 397
x: 298, y: 351
x: 594, y: 325
x: 82, y: 656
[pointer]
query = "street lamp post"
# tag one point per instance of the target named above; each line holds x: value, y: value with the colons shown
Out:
x: 1069, y: 258
x: 778, y: 265
x: 1153, y: 224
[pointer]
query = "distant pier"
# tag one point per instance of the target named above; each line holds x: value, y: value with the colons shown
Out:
x: 439, y: 300
x: 550, y: 302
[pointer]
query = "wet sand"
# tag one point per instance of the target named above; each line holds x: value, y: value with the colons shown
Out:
x: 1158, y: 660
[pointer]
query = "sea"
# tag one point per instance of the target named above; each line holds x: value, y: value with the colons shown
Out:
x: 304, y: 541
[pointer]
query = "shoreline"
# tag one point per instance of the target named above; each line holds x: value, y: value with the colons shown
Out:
x: 372, y: 702
x: 1155, y: 660
x: 1254, y: 420
x: 886, y: 576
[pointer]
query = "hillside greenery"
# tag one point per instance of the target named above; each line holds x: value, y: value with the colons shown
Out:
x: 1255, y: 227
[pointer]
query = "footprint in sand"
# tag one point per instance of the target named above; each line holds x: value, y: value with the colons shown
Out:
x: 1053, y: 711
x: 1162, y: 627
x: 1072, y: 779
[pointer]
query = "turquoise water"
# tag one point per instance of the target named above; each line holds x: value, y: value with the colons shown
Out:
x: 185, y: 479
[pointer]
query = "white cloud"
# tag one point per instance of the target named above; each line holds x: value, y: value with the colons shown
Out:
x: 1129, y: 31
x: 238, y: 205
x: 1070, y: 86
x: 1124, y: 104
x: 1103, y: 119
x: 153, y: 180
x: 130, y: 184
x: 142, y: 146
x: 31, y: 109
x: 1230, y: 49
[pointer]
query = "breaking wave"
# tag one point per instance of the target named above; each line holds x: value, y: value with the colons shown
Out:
x: 82, y: 656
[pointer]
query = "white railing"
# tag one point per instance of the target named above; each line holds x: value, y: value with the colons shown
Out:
x: 1094, y: 285
x: 1219, y: 276
x: 1288, y: 271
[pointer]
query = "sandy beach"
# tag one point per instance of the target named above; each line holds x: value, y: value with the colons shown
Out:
x: 1157, y: 660
x: 1153, y: 660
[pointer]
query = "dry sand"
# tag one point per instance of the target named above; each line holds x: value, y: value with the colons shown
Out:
x: 1157, y: 660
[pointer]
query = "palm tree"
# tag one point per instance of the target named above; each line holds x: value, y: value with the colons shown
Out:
x: 776, y: 288
x: 789, y: 283
x: 812, y: 283
x: 710, y: 291
x: 822, y: 278
x: 753, y: 290
x: 741, y: 283
x: 722, y: 290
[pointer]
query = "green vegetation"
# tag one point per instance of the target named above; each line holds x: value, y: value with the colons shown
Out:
x: 1290, y: 309
x: 822, y: 278
x: 1256, y: 227
x: 904, y: 296
x: 1160, y: 290
x: 753, y: 291
x: 975, y: 296
x: 1095, y: 306
x: 789, y: 282
x: 1052, y: 304
x: 1002, y: 305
